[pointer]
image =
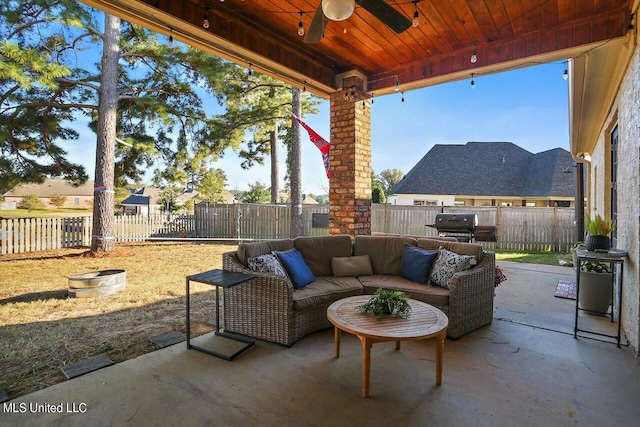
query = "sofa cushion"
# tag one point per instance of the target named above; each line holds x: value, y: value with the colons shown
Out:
x: 416, y: 264
x: 255, y: 249
x: 297, y: 270
x: 351, y: 266
x: 462, y: 248
x: 325, y: 290
x: 318, y: 251
x: 434, y: 295
x: 447, y: 264
x: 385, y: 252
x: 267, y: 264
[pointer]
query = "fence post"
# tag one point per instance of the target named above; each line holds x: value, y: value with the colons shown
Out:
x: 556, y: 231
x: 498, y: 227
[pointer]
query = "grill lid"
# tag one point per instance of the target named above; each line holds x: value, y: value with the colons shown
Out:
x: 462, y: 222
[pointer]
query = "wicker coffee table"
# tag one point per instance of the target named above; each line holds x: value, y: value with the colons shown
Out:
x: 425, y: 321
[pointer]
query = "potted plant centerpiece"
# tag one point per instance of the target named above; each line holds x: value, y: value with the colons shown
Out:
x: 386, y: 302
x: 598, y: 230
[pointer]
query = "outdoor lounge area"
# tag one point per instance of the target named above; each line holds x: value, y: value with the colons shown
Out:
x: 523, y: 369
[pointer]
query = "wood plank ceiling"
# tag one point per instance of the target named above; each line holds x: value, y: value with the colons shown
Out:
x: 503, y: 32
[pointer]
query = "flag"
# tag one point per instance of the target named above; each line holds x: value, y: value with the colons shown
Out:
x: 319, y: 142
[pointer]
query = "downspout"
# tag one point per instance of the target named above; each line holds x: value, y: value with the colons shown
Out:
x: 578, y: 223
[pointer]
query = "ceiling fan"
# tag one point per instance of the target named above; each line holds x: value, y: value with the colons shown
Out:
x: 339, y: 10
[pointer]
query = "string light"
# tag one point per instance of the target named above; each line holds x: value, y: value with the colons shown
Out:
x: 304, y: 86
x: 205, y: 21
x: 300, y: 26
x: 402, y: 97
x: 170, y: 35
x: 397, y: 84
x: 474, y: 55
x: 415, y: 22
x: 473, y: 83
x: 371, y: 99
x: 565, y: 74
x: 250, y: 70
x: 344, y: 31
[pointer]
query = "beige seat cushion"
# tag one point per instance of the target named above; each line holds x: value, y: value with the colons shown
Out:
x: 385, y: 252
x: 434, y: 295
x: 318, y: 251
x: 326, y: 290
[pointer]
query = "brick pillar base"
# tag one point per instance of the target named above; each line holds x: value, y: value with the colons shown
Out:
x: 350, y: 160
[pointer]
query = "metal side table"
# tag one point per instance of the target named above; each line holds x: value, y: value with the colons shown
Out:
x: 224, y: 279
x: 613, y: 256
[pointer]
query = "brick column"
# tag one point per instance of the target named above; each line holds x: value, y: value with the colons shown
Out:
x: 350, y: 160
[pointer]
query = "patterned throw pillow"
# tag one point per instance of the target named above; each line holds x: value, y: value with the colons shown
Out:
x: 447, y: 264
x: 266, y: 264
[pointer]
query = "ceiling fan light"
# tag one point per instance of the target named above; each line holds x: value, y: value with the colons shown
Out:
x: 338, y: 10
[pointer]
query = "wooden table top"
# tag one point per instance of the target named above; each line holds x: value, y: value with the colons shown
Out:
x: 423, y: 322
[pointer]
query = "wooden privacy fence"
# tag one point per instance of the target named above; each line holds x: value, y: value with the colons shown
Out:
x: 244, y: 221
x: 518, y: 228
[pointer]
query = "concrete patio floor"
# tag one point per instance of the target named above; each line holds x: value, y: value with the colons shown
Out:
x: 525, y: 369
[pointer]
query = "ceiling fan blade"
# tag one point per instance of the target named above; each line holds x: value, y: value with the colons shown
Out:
x: 386, y: 14
x: 316, y: 29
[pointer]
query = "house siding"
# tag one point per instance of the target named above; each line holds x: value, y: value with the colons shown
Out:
x: 624, y: 113
x: 629, y: 195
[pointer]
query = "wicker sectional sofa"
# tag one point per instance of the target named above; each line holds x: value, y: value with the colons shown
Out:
x: 269, y: 308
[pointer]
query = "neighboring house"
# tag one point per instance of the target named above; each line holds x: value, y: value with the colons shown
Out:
x: 144, y: 201
x: 77, y: 197
x: 228, y: 197
x: 308, y: 200
x: 488, y: 174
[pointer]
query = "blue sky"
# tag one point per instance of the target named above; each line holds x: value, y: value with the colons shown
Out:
x: 528, y: 107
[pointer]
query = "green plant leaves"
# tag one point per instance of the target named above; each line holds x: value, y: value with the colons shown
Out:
x: 386, y: 302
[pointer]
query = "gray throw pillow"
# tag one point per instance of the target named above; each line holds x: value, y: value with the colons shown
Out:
x: 447, y: 264
x: 267, y: 264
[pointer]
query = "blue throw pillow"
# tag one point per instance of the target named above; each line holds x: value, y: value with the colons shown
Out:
x: 416, y: 264
x: 297, y: 269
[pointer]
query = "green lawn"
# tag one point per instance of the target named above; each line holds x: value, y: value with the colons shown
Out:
x: 534, y: 257
x: 44, y: 213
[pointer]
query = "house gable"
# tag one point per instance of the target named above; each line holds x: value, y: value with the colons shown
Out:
x: 500, y: 169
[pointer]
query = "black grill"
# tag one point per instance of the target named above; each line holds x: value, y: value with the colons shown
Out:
x: 464, y: 227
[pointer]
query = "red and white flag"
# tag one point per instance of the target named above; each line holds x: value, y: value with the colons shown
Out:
x: 319, y: 142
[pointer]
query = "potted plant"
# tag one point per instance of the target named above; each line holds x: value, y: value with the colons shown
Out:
x: 595, y: 287
x: 386, y: 302
x: 598, y: 230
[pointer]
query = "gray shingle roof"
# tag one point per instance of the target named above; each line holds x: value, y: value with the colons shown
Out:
x: 490, y: 169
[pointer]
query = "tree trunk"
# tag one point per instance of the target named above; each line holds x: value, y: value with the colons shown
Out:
x: 103, y: 236
x: 275, y: 187
x: 296, y: 166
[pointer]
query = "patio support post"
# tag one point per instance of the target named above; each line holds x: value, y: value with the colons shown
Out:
x: 579, y: 204
x: 350, y: 160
